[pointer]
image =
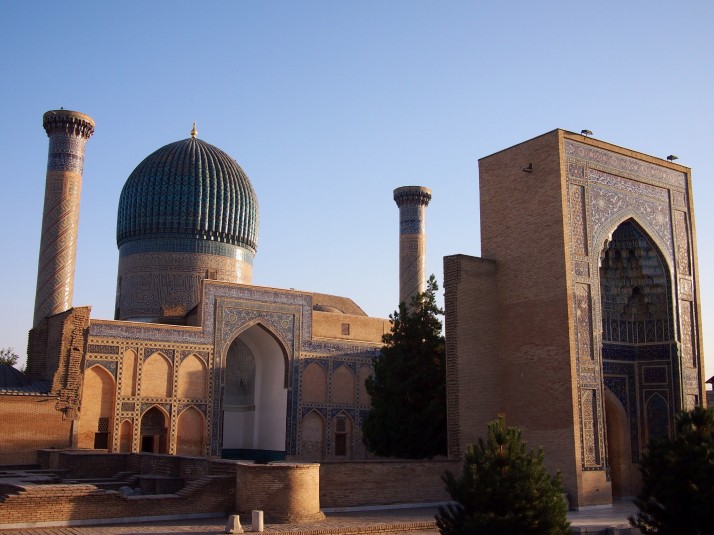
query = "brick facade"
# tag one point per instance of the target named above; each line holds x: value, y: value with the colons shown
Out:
x: 525, y: 324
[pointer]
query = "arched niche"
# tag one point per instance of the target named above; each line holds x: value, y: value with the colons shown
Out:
x: 343, y: 386
x: 154, y: 431
x: 125, y: 436
x: 342, y: 430
x: 190, y: 433
x: 314, y: 384
x: 192, y: 378
x: 256, y: 369
x: 95, y: 420
x: 619, y: 447
x: 312, y: 437
x: 365, y: 372
x: 128, y: 371
x: 635, y: 289
x: 638, y: 339
x: 157, y: 377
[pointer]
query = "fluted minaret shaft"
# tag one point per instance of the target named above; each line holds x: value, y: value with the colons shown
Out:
x: 68, y: 132
x: 412, y: 202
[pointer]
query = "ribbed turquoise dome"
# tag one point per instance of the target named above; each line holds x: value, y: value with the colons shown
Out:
x: 188, y: 190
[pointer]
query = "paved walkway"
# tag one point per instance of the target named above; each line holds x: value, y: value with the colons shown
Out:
x: 403, y: 521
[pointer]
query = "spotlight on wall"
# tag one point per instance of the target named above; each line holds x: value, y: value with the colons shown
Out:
x: 528, y: 168
x: 586, y: 133
x: 672, y: 157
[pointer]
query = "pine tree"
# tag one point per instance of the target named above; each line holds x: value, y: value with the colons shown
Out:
x: 677, y: 494
x: 503, y: 490
x: 408, y: 387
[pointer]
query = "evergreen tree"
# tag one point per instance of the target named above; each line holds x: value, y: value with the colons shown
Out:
x: 408, y: 387
x: 8, y: 356
x: 677, y: 494
x: 503, y: 490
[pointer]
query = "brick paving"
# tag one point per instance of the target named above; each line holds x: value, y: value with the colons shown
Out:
x: 403, y: 521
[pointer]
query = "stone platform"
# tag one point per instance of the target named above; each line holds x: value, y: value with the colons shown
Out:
x: 609, y: 521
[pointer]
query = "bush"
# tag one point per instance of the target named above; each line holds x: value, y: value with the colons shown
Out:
x: 678, y: 479
x: 503, y: 490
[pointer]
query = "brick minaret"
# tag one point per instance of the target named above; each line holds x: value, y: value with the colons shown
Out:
x: 68, y: 132
x: 412, y: 202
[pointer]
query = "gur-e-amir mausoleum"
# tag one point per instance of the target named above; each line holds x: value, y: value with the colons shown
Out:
x: 580, y: 322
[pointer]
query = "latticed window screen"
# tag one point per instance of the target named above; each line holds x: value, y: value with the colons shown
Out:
x: 103, y: 425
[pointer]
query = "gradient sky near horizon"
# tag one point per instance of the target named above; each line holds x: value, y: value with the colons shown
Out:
x: 329, y: 106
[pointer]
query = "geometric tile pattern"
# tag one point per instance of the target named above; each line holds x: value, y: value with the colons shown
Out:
x: 605, y: 189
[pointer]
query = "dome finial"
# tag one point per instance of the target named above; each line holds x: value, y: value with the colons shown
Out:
x: 194, y: 132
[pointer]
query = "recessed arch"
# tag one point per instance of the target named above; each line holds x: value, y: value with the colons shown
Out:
x: 157, y: 376
x: 192, y: 378
x: 154, y: 430
x: 190, y: 434
x: 128, y: 373
x: 259, y: 430
x: 312, y: 436
x: 365, y: 372
x: 619, y: 446
x: 657, y: 417
x: 342, y: 432
x: 602, y: 238
x: 314, y: 383
x: 126, y: 430
x: 97, y: 409
x: 269, y: 329
x: 343, y: 385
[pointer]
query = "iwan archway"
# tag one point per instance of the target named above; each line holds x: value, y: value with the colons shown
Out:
x: 639, y: 350
x: 255, y: 397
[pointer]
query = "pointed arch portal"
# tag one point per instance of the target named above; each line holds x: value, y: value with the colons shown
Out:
x: 638, y: 348
x: 255, y: 397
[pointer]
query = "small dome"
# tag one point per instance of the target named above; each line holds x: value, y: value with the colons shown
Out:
x: 189, y: 189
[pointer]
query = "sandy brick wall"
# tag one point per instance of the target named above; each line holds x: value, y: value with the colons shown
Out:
x: 28, y: 423
x: 335, y: 326
x: 472, y: 363
x: 524, y: 229
x: 352, y: 484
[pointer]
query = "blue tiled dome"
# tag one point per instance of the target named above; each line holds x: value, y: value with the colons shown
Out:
x: 188, y: 190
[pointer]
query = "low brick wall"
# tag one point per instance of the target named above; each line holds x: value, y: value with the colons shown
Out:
x: 360, y: 483
x: 210, y: 487
x: 286, y: 492
x: 66, y: 504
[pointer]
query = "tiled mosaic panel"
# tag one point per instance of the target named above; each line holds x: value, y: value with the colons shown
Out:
x: 412, y: 266
x: 577, y: 220
x: 148, y: 281
x: 681, y: 232
x: 616, y: 187
x: 625, y: 164
x: 583, y: 318
x: 590, y: 426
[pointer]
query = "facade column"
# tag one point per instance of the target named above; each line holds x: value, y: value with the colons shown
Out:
x: 412, y: 202
x: 68, y: 132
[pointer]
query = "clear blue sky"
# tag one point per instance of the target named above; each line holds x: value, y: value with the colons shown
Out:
x: 328, y: 106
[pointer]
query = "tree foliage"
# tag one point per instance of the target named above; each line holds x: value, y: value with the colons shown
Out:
x: 677, y: 494
x: 408, y: 387
x: 8, y: 356
x: 503, y: 490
